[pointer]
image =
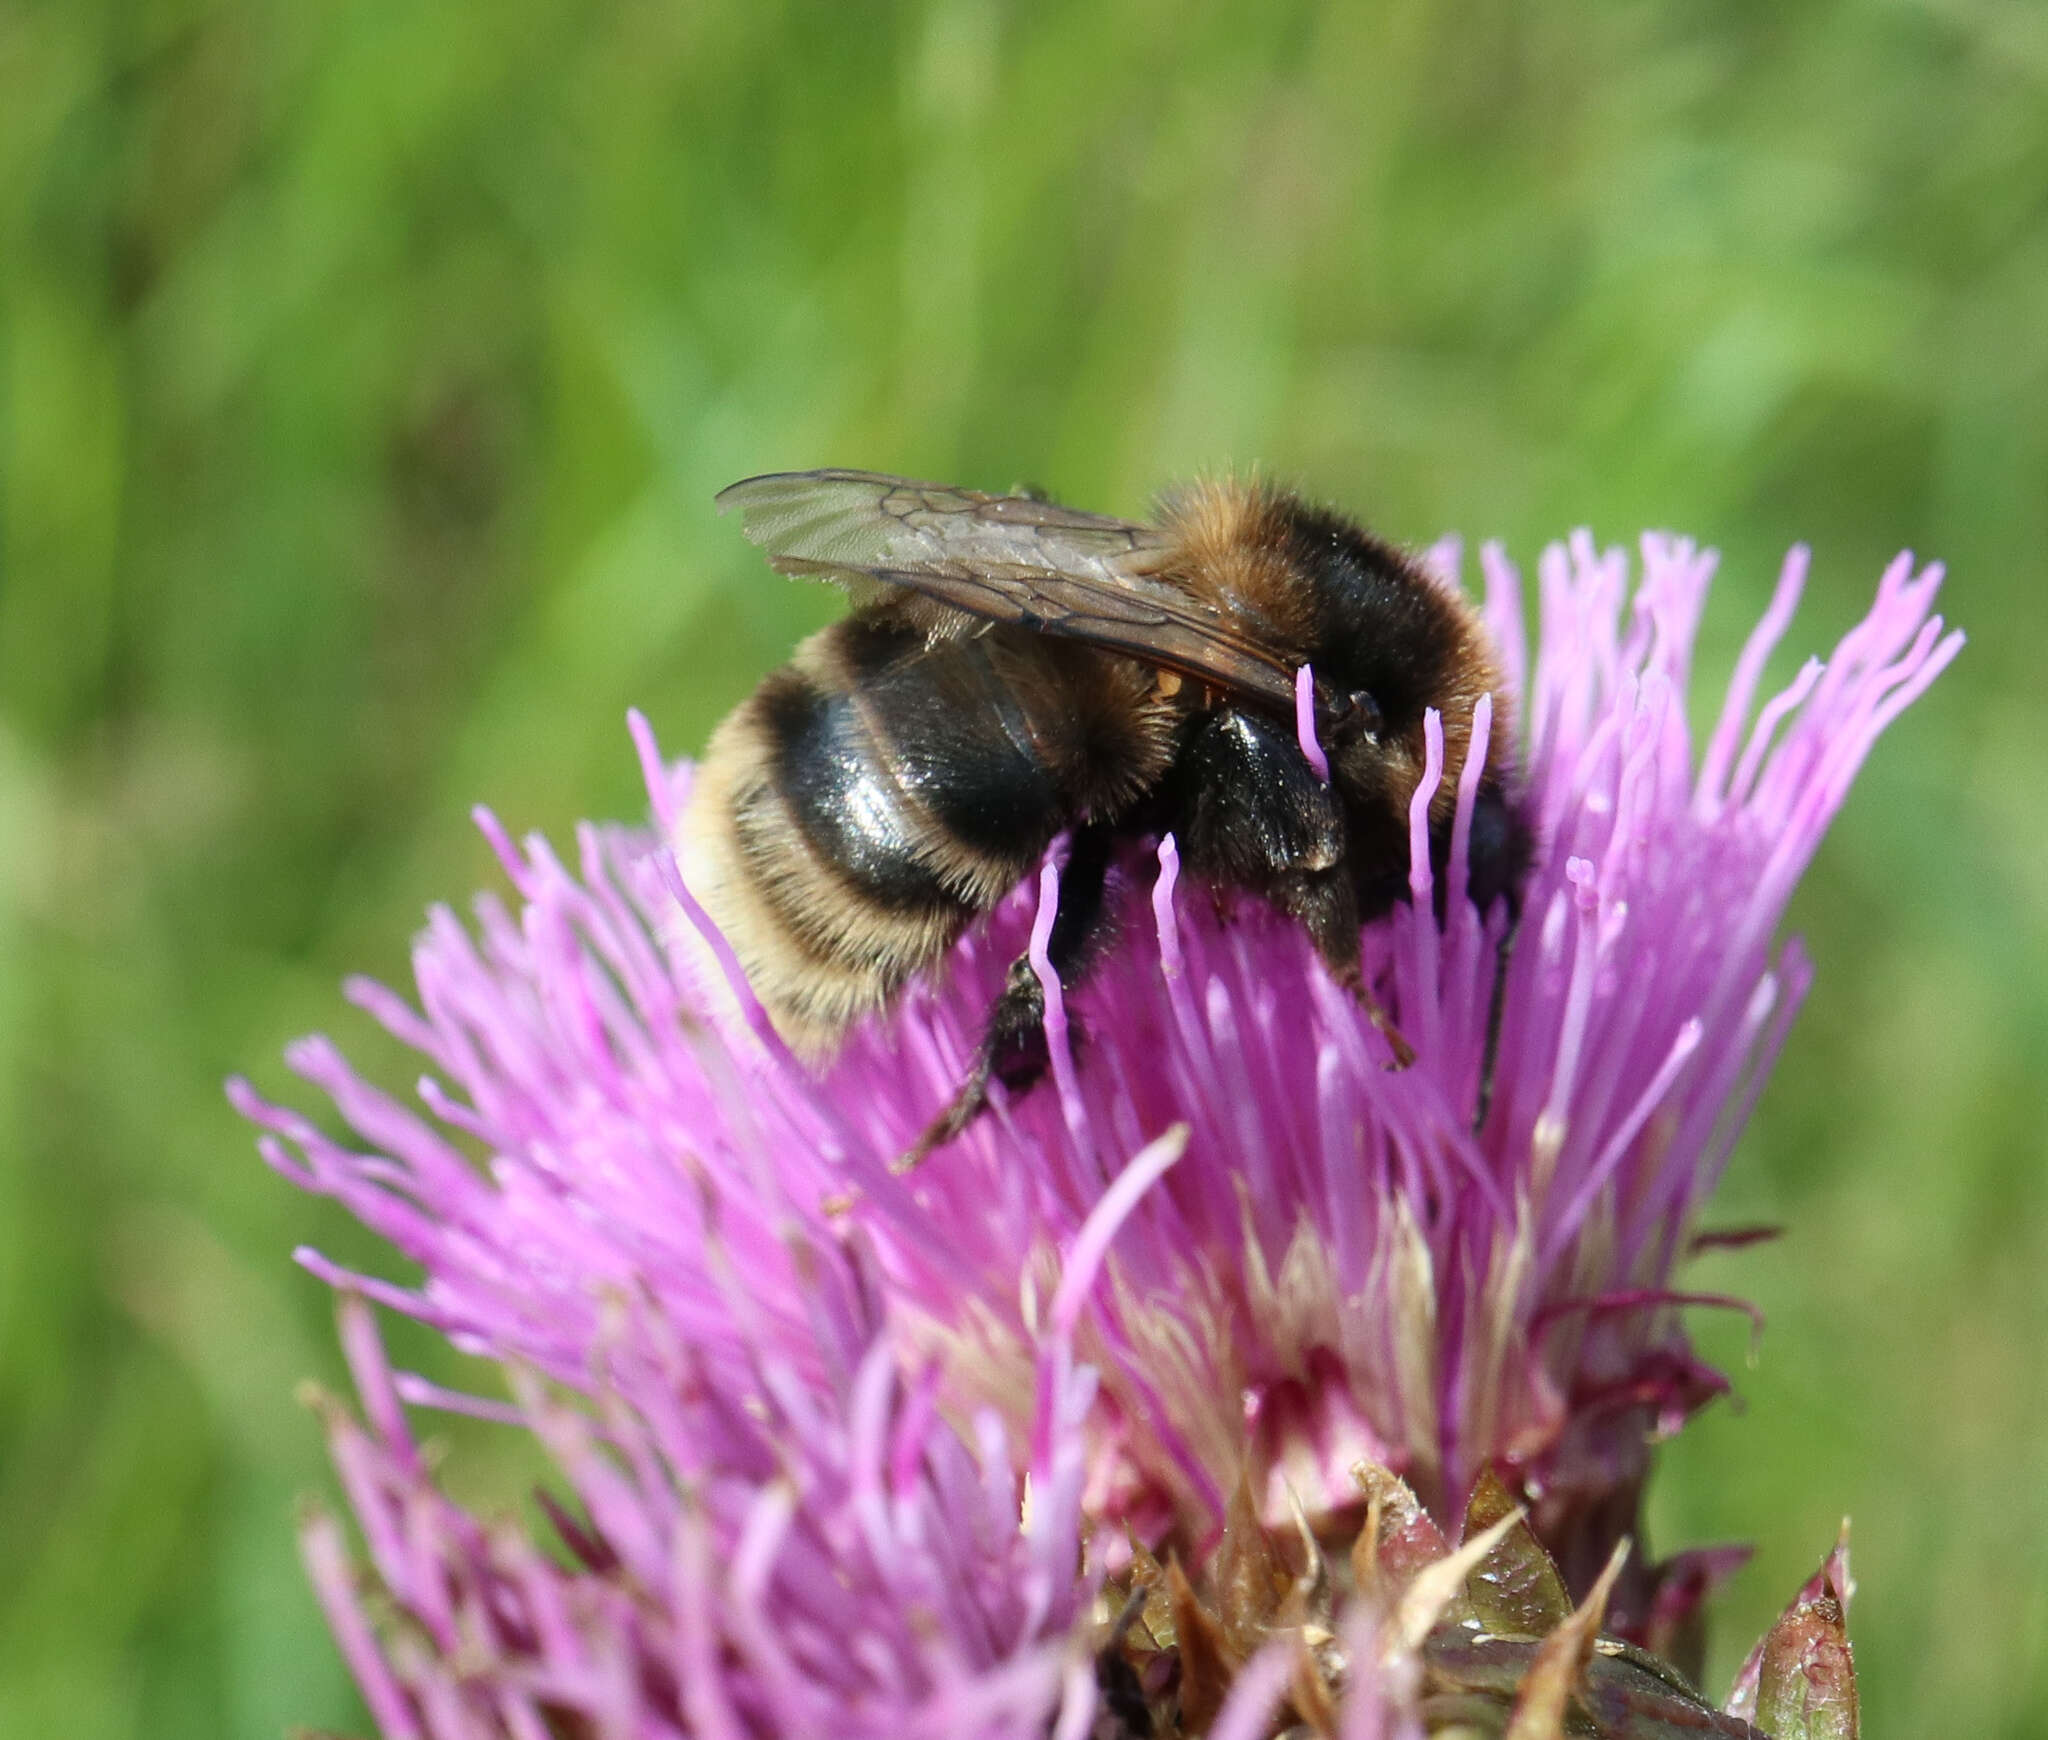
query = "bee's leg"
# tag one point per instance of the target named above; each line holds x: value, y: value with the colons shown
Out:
x: 1325, y: 905
x: 1496, y: 1005
x: 1013, y: 1046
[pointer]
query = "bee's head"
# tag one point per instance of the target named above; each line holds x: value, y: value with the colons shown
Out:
x: 1385, y: 639
x: 1377, y: 773
x: 1389, y: 643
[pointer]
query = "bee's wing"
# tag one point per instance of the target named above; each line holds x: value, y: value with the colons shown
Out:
x: 1006, y: 559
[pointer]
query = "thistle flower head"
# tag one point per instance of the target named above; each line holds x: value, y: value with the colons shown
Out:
x: 850, y: 1440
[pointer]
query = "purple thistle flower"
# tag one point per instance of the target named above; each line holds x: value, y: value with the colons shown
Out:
x: 1223, y: 1252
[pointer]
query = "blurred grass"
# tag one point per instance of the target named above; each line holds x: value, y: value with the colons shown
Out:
x: 365, y: 373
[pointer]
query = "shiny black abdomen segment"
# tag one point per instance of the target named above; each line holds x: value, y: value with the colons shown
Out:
x: 842, y: 795
x: 900, y: 759
x: 1247, y: 806
x: 965, y: 749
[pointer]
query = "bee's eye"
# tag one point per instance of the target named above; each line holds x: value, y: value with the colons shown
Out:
x: 1356, y: 716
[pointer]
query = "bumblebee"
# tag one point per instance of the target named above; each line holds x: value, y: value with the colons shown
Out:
x: 1013, y: 670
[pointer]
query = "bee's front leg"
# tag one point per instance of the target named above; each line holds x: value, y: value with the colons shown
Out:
x: 1324, y: 903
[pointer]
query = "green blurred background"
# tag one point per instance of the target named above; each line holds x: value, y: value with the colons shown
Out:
x: 365, y: 374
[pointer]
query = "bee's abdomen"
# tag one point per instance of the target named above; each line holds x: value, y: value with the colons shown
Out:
x: 868, y: 802
x: 838, y: 784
